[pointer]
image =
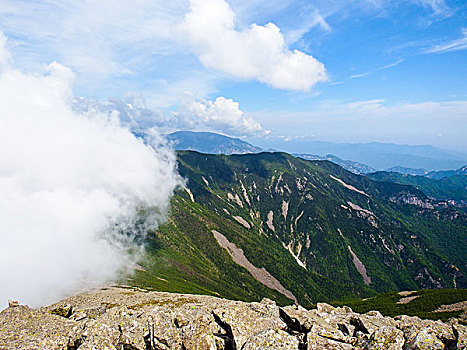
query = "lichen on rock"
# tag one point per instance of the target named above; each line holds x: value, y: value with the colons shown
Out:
x: 135, y: 319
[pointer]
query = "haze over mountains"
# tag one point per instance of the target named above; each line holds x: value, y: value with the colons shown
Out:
x: 359, y: 158
x: 208, y: 142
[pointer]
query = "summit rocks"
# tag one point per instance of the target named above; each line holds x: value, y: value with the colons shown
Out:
x: 135, y: 319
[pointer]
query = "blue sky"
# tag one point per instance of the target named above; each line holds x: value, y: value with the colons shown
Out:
x: 341, y: 71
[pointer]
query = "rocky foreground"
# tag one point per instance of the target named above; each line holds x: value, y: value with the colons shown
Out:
x: 130, y: 319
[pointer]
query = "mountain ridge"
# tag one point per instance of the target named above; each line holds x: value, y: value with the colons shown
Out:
x: 301, y: 221
x: 356, y: 157
x: 208, y: 142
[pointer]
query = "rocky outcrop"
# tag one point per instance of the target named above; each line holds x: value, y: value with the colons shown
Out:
x: 133, y: 319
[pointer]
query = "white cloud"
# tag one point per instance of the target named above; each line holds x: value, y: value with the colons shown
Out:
x: 4, y: 54
x: 222, y: 115
x: 439, y: 7
x: 364, y: 74
x: 93, y: 36
x: 369, y: 105
x: 381, y: 107
x: 258, y: 52
x: 115, y: 43
x: 312, y: 19
x: 132, y: 111
x: 71, y: 185
x: 454, y: 45
x: 378, y: 119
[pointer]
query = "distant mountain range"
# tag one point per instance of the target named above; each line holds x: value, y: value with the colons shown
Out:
x: 447, y: 173
x: 407, y: 171
x: 430, y: 174
x: 381, y: 156
x: 354, y: 167
x: 358, y: 158
x: 212, y: 143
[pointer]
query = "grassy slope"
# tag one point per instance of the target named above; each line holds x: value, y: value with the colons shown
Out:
x: 183, y: 255
x: 423, y: 306
x: 452, y: 187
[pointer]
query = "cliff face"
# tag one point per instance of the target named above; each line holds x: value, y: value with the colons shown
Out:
x: 123, y: 318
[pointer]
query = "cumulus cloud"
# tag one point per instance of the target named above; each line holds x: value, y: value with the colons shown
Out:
x: 258, y: 52
x: 72, y: 185
x: 220, y: 115
x: 223, y: 115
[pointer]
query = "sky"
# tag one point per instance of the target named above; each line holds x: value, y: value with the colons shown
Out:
x: 339, y: 71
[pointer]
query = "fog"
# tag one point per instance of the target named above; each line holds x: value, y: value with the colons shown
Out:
x: 71, y: 186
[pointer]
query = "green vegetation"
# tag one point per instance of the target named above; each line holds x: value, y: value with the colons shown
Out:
x: 448, y: 188
x: 423, y: 305
x: 300, y: 213
x: 183, y: 256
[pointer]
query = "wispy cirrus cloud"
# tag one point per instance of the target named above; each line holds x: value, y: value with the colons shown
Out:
x: 92, y: 36
x: 123, y: 39
x: 439, y: 7
x: 453, y: 45
x: 376, y: 119
x: 391, y: 65
x: 311, y: 19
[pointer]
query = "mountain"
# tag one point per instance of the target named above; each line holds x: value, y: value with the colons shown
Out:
x: 442, y: 174
x: 136, y: 319
x: 379, y: 155
x: 447, y: 188
x: 212, y: 143
x: 269, y: 224
x: 354, y: 167
x: 437, y: 175
x: 208, y: 142
x: 408, y: 171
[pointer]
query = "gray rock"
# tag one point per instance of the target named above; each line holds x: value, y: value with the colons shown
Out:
x: 425, y: 339
x: 63, y: 310
x: 132, y: 319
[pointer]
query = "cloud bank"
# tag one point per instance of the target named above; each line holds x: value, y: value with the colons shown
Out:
x: 259, y: 52
x: 71, y: 186
x: 220, y: 115
x: 132, y: 111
